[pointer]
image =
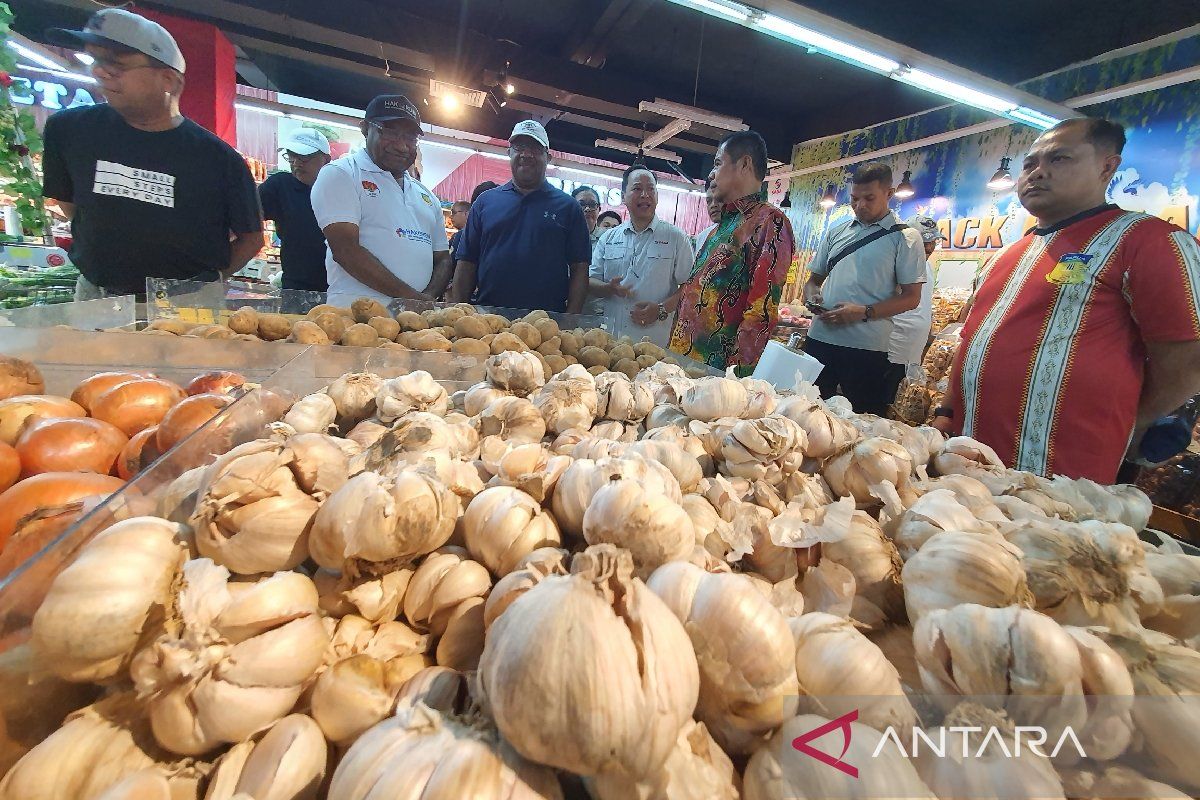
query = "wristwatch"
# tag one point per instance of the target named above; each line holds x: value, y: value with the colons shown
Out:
x: 662, y: 312
x: 944, y: 411
x: 869, y: 313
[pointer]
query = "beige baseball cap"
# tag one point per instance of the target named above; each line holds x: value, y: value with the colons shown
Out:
x: 125, y: 29
x: 534, y: 130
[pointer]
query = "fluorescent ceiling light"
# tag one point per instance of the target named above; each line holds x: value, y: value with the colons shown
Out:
x: 955, y: 91
x: 58, y: 73
x: 597, y: 175
x: 1035, y: 118
x: 445, y: 146
x: 34, y: 56
x: 666, y: 187
x: 84, y: 58
x: 733, y: 11
x: 320, y: 121
x: 270, y: 112
x: 805, y: 36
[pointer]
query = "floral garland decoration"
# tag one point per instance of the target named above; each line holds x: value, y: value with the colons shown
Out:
x: 19, y: 141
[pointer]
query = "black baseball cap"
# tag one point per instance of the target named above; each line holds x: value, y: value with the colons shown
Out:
x: 387, y: 107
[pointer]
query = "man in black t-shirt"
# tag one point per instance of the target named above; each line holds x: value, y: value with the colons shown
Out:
x: 149, y: 193
x: 287, y: 198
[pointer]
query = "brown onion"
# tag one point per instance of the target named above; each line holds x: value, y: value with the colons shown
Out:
x: 69, y: 445
x: 91, y: 388
x: 49, y: 490
x: 186, y: 416
x: 18, y: 376
x: 137, y: 404
x: 137, y: 453
x: 216, y: 382
x: 15, y: 410
x: 38, y: 529
x: 10, y: 466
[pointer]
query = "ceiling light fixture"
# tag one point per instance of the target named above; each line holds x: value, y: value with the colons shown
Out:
x: 905, y: 190
x: 1002, y: 179
x: 829, y: 199
x: 34, y: 56
x: 787, y: 200
x: 450, y: 103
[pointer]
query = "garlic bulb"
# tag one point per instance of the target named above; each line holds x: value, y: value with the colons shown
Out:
x: 313, y: 413
x: 416, y: 391
x: 440, y: 688
x: 953, y: 568
x: 965, y: 456
x: 682, y: 464
x: 480, y: 396
x: 535, y: 566
x: 1176, y: 573
x: 251, y: 514
x: 697, y: 768
x: 595, y: 448
x: 624, y: 432
x: 619, y: 398
x: 840, y: 670
x: 322, y: 463
x: 568, y: 400
x: 854, y: 471
x: 935, y: 512
x: 376, y: 598
x: 711, y: 398
x: 665, y: 415
x: 580, y: 482
x: 710, y: 529
x: 143, y: 785
x: 761, y: 398
x: 463, y: 435
x: 461, y: 644
x: 667, y: 382
x: 502, y: 525
x: 776, y: 772
x: 367, y: 433
x: 379, y: 519
x: 388, y: 641
x: 751, y: 536
x: 234, y: 663
x: 512, y: 419
x: 178, y: 501
x: 354, y: 694
x: 768, y: 449
x: 422, y: 753
x: 353, y: 396
x: 745, y: 652
x: 690, y: 445
x: 970, y: 493
x: 444, y: 579
x: 616, y: 647
x: 1109, y: 688
x: 651, y: 527
x: 519, y: 373
x: 806, y: 491
x: 287, y: 763
x: 825, y: 433
x: 98, y: 609
x: 531, y: 468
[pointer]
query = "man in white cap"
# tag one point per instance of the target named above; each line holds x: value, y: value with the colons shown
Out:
x: 526, y: 244
x: 287, y: 199
x: 386, y: 234
x: 150, y: 194
x: 910, y: 329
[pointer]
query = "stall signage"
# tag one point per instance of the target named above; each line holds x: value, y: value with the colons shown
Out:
x: 27, y: 91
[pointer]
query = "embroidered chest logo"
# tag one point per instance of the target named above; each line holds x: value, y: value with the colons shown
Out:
x: 414, y: 235
x: 550, y: 215
x: 370, y: 188
x: 1071, y: 269
x: 428, y: 200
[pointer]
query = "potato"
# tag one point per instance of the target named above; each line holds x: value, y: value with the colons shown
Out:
x: 471, y: 326
x: 527, y: 333
x: 487, y: 339
x: 216, y: 332
x: 306, y: 331
x: 334, y: 325
x: 466, y: 308
x: 556, y: 363
x: 569, y: 343
x: 695, y: 372
x: 273, y: 327
x: 548, y: 328
x: 597, y: 370
x: 534, y: 316
x: 628, y: 366
x: 246, y: 337
x: 244, y: 320
x: 411, y: 321
x: 596, y: 338
x: 445, y: 330
x: 497, y: 322
x: 323, y: 308
x: 549, y: 347
x: 429, y: 341
x: 594, y: 357
x: 570, y: 360
x: 452, y: 315
x: 545, y: 364
x: 364, y: 308
x: 646, y: 348
x: 471, y: 347
x: 175, y: 326
x: 385, y: 345
x: 645, y: 362
x: 621, y: 352
x: 161, y: 332
x: 360, y: 334
x: 386, y: 327
x: 507, y: 341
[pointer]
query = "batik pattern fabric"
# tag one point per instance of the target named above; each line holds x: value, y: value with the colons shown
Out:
x: 731, y: 301
x: 1051, y: 366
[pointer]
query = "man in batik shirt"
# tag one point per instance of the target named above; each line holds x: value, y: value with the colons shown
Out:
x: 731, y: 302
x: 1085, y: 331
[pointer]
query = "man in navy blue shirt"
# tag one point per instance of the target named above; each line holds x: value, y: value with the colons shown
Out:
x: 526, y: 244
x: 286, y: 197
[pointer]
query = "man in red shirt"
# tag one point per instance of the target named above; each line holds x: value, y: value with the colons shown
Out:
x: 1085, y: 331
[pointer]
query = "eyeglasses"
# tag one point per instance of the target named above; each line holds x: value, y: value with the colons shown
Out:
x: 531, y: 149
x: 396, y: 135
x: 117, y: 69
x: 295, y: 158
x: 588, y: 205
x: 645, y: 191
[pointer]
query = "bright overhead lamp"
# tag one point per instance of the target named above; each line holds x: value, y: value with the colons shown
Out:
x: 85, y: 58
x: 829, y: 199
x: 509, y: 88
x: 1035, y: 118
x: 955, y: 91
x: 449, y: 103
x: 1002, y: 179
x: 905, y: 190
x: 733, y: 11
x: 34, y: 56
x: 790, y: 31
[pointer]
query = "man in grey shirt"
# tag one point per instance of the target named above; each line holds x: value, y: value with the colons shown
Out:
x: 866, y: 270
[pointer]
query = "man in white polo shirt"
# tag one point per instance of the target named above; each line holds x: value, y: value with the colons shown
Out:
x: 384, y: 229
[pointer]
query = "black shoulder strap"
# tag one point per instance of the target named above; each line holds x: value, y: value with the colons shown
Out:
x: 863, y: 242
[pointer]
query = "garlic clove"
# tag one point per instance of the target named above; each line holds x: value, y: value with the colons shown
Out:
x: 654, y: 529
x: 144, y: 785
x: 352, y: 695
x: 288, y: 763
x: 502, y: 525
x: 462, y: 642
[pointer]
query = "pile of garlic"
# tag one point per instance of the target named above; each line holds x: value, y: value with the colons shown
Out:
x: 580, y: 585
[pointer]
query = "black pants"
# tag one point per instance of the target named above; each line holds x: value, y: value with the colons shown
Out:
x: 895, y: 374
x: 861, y: 376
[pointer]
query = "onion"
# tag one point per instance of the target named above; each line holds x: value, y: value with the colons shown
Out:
x: 89, y: 389
x: 137, y: 453
x: 10, y: 466
x: 137, y: 404
x: 40, y: 528
x: 18, y: 376
x: 15, y: 410
x: 216, y: 382
x: 186, y: 416
x: 48, y: 490
x: 69, y: 445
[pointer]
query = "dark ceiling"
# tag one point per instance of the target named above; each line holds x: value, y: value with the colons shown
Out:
x: 582, y: 66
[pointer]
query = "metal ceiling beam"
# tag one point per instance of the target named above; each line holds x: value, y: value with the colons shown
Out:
x: 322, y: 60
x: 563, y: 114
x: 590, y: 47
x: 671, y: 129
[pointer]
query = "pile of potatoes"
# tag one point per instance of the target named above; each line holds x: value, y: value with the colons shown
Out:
x: 456, y: 329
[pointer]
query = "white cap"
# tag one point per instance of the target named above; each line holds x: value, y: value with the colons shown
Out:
x: 305, y: 142
x: 533, y: 129
x: 118, y: 26
x: 927, y: 228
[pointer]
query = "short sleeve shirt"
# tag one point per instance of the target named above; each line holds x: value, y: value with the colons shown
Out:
x: 523, y: 246
x: 652, y: 263
x: 288, y: 201
x: 400, y: 224
x: 910, y: 329
x: 148, y: 204
x: 867, y: 276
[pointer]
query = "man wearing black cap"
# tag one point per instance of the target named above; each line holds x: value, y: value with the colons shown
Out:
x: 385, y: 231
x: 149, y: 192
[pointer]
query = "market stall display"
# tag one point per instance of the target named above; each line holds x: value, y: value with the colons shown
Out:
x: 22, y: 287
x: 588, y: 539
x: 922, y: 390
x: 948, y: 304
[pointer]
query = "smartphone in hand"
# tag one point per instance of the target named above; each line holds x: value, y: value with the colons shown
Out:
x: 815, y: 308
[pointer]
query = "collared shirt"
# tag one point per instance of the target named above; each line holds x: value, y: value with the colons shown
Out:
x: 523, y: 246
x: 400, y: 224
x: 731, y: 301
x: 702, y: 237
x: 651, y: 263
x: 910, y: 329
x: 1051, y: 365
x: 867, y: 276
x: 288, y: 200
